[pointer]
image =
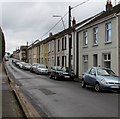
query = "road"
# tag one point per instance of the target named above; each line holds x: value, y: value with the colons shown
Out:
x: 64, y: 98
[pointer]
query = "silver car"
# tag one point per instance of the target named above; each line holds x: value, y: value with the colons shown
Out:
x: 26, y: 66
x: 41, y: 69
x: 101, y: 79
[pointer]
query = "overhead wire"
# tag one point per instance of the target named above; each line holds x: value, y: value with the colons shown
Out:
x: 80, y: 4
x: 53, y: 26
x: 61, y: 19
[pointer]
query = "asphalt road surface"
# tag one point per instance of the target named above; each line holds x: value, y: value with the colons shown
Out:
x: 64, y: 98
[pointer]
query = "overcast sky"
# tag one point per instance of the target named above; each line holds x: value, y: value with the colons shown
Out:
x: 27, y: 21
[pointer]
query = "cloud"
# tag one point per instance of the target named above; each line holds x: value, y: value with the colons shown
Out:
x: 27, y: 21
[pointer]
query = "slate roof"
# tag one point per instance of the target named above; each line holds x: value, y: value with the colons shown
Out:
x: 113, y: 10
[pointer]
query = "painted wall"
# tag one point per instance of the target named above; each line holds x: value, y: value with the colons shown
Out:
x: 101, y: 48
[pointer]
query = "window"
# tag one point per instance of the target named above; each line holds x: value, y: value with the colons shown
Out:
x: 108, y: 32
x: 63, y: 60
x: 64, y: 43
x: 58, y: 61
x: 85, y: 40
x: 85, y: 63
x: 49, y: 46
x: 92, y: 71
x: 107, y: 60
x: 52, y: 45
x: 58, y: 45
x: 95, y: 36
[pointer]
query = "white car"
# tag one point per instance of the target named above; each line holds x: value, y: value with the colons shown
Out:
x: 20, y: 64
x: 33, y: 67
x: 41, y: 69
x: 26, y: 66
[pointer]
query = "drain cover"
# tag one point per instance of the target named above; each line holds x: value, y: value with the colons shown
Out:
x: 46, y: 91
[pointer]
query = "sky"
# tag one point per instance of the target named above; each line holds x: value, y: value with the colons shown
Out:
x: 25, y: 21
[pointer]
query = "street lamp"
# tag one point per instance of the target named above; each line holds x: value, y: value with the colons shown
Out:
x: 61, y: 19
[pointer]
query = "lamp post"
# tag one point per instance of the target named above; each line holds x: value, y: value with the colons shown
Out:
x: 61, y: 19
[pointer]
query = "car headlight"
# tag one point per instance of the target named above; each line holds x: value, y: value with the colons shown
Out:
x: 103, y: 81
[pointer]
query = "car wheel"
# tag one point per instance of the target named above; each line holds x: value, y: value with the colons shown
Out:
x: 97, y: 87
x: 83, y: 84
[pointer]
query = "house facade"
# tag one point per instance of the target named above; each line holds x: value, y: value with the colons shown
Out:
x: 33, y: 52
x: 16, y: 54
x: 51, y: 52
x: 23, y: 53
x: 98, y: 42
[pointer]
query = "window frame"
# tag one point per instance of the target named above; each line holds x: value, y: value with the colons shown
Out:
x: 95, y: 36
x: 64, y: 43
x: 108, y: 32
x: 85, y: 38
x: 107, y: 59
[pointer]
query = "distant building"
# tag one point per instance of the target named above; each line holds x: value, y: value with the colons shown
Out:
x: 16, y: 54
x: 23, y: 53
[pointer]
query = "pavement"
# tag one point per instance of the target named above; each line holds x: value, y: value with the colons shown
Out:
x: 9, y: 104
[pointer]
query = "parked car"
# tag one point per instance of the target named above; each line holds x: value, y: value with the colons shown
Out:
x: 57, y: 72
x: 20, y: 64
x: 69, y: 71
x: 33, y: 67
x: 17, y: 62
x: 6, y: 58
x: 101, y: 79
x: 26, y: 66
x: 41, y: 69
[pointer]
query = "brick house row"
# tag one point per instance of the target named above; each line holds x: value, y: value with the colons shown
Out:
x: 94, y: 41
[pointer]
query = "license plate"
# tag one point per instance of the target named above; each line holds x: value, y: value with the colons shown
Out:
x: 114, y: 86
x: 67, y: 76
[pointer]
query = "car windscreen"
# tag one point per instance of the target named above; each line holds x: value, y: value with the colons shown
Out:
x: 58, y: 68
x: 42, y: 66
x: 105, y: 72
x: 27, y: 64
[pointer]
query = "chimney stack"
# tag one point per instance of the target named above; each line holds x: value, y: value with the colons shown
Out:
x: 108, y: 5
x: 27, y: 43
x: 73, y: 21
x: 50, y: 34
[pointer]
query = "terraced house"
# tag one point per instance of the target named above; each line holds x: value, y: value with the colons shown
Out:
x: 92, y: 42
x: 99, y: 41
x: 33, y: 52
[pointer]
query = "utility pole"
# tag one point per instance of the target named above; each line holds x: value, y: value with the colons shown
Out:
x: 70, y: 37
x: 69, y: 17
